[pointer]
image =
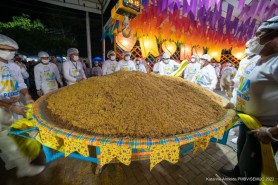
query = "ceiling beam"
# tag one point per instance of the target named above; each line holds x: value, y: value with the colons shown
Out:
x: 96, y: 8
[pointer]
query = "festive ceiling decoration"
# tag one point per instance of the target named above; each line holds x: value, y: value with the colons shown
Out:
x: 216, y: 24
x: 169, y: 47
x: 185, y: 52
x: 126, y: 43
x: 148, y: 46
x: 202, y: 22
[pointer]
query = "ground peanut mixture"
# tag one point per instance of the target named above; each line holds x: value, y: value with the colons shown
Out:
x: 134, y: 104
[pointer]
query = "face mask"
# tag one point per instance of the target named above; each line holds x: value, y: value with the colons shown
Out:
x: 166, y: 61
x: 45, y: 61
x: 202, y: 62
x: 7, y: 55
x: 255, y: 46
x: 75, y: 58
x: 193, y: 60
x: 127, y: 58
x: 112, y: 57
x: 248, y: 52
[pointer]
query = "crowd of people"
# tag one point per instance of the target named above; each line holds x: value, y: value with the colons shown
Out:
x: 253, y: 89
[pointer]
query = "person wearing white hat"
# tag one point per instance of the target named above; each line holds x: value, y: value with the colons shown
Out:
x: 126, y: 64
x: 72, y: 70
x: 192, y: 69
x: 139, y: 64
x: 257, y: 96
x: 11, y: 86
x: 110, y: 64
x: 46, y: 75
x: 207, y: 76
x: 167, y: 66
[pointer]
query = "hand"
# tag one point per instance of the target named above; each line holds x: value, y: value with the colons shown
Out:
x: 39, y: 93
x: 229, y: 105
x: 262, y: 135
x: 79, y: 79
x: 14, y: 99
x: 21, y: 110
x: 29, y: 99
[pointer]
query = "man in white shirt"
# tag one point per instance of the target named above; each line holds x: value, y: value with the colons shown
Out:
x: 207, y: 76
x: 109, y: 65
x: 167, y: 66
x: 192, y: 69
x: 46, y: 74
x: 11, y: 86
x: 126, y: 63
x: 71, y: 68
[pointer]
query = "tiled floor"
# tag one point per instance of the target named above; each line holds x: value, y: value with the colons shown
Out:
x: 200, y: 168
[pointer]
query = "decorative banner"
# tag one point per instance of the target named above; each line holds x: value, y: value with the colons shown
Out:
x: 126, y: 43
x: 169, y: 152
x: 75, y: 145
x: 185, y: 52
x: 48, y: 139
x: 110, y: 151
x: 169, y: 47
x: 148, y: 45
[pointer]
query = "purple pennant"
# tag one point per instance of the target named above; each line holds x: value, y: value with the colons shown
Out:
x: 213, y: 19
x: 272, y: 2
x: 220, y: 25
x: 238, y: 30
x: 241, y: 4
x: 259, y: 6
x: 171, y: 6
x: 164, y: 5
x: 218, y: 4
x: 244, y: 13
x: 193, y: 6
x: 206, y: 5
x: 235, y: 24
x: 246, y: 26
x: 262, y: 11
x: 178, y: 4
x: 191, y: 17
x: 159, y: 6
x: 270, y: 11
x: 229, y: 13
x: 184, y: 7
x: 253, y: 8
x: 201, y: 3
x: 251, y: 28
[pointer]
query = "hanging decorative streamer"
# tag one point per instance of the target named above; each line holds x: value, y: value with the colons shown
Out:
x: 125, y: 43
x: 148, y: 46
x: 169, y: 47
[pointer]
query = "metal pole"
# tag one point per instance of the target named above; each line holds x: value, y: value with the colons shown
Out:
x: 103, y: 41
x: 89, y: 54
